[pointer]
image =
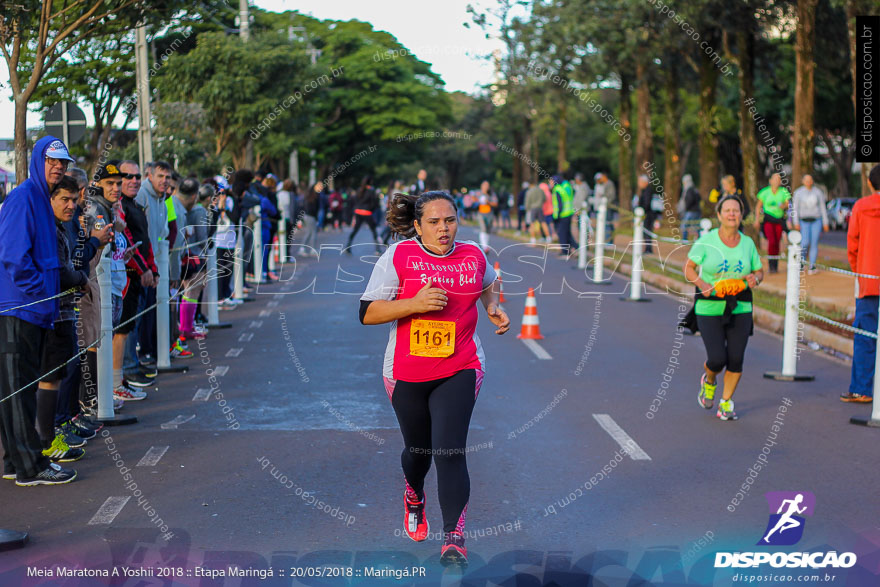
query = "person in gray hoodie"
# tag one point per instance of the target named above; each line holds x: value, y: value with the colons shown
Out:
x: 151, y: 197
x: 810, y: 218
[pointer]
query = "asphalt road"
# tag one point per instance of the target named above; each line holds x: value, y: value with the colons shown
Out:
x: 304, y: 422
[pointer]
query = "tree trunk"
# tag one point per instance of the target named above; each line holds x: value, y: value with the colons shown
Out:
x: 708, y: 140
x: 745, y: 43
x: 645, y: 138
x: 804, y: 92
x: 854, y: 8
x: 624, y: 180
x: 21, y: 146
x: 531, y: 171
x: 518, y: 175
x: 561, y: 151
x: 842, y: 155
x: 672, y: 142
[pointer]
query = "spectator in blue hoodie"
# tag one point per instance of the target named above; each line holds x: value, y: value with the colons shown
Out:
x: 268, y: 217
x: 29, y: 286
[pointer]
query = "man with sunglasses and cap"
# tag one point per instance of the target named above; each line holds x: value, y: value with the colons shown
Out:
x: 29, y: 286
x: 142, y: 273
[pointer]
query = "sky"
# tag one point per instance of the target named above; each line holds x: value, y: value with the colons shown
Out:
x: 433, y: 31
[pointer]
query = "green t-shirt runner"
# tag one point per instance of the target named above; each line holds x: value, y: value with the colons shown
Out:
x: 717, y: 261
x: 774, y: 204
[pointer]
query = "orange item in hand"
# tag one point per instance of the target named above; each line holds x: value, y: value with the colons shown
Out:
x: 729, y: 287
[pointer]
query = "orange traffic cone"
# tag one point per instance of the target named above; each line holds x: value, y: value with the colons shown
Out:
x: 531, y: 328
x: 500, y: 283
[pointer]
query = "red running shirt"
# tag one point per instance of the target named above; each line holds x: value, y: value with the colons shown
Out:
x: 424, y: 347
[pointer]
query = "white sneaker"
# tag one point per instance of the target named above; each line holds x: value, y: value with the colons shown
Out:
x: 126, y: 394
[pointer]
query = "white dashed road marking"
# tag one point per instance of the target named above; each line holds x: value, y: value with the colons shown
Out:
x: 109, y: 510
x: 537, y: 349
x: 622, y: 438
x: 152, y: 457
x: 202, y: 395
x: 173, y: 424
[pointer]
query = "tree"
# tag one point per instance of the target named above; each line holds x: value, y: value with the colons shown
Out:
x: 853, y: 9
x: 244, y: 90
x: 804, y: 92
x: 101, y: 72
x: 514, y: 91
x: 35, y: 35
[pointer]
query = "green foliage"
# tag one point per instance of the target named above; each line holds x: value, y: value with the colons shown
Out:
x: 243, y: 88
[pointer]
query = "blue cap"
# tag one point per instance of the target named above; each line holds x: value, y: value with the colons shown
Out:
x: 557, y: 178
x: 58, y: 150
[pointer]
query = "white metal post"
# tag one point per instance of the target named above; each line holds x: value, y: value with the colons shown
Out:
x: 105, y: 347
x: 638, y: 244
x: 705, y: 226
x: 792, y: 300
x: 211, y: 294
x: 104, y: 376
x: 238, y: 267
x: 599, y: 245
x: 258, y: 246
x: 282, y: 241
x: 584, y: 222
x: 163, y: 313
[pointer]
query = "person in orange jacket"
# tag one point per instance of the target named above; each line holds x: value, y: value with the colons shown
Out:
x: 863, y: 249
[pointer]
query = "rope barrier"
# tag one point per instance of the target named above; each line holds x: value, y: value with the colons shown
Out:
x: 98, y: 340
x: 667, y: 239
x: 62, y: 294
x: 186, y: 246
x: 840, y: 325
x: 846, y: 272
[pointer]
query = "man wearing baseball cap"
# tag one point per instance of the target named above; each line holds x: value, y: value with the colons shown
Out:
x: 29, y: 284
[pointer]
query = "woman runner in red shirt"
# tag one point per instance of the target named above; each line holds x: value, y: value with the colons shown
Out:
x: 427, y: 286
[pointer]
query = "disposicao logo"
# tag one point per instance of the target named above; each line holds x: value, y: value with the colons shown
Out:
x: 785, y: 528
x: 786, y: 524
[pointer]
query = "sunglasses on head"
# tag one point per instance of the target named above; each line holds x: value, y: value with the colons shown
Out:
x: 131, y: 175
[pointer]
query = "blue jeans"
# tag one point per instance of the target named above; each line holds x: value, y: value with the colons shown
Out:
x: 810, y: 230
x: 130, y: 362
x: 690, y: 221
x: 864, y: 348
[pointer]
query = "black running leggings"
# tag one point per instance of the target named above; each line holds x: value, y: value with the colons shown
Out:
x: 358, y: 220
x: 725, y: 346
x: 434, y: 417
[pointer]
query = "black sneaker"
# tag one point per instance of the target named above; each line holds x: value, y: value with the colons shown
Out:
x: 70, y: 438
x: 84, y: 421
x: 52, y: 475
x: 137, y: 380
x: 8, y: 474
x: 149, y: 372
x: 148, y: 362
x: 83, y: 432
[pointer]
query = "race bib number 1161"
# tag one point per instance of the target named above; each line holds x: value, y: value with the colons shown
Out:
x: 431, y: 338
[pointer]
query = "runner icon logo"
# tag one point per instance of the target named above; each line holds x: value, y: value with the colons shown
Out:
x: 787, y: 511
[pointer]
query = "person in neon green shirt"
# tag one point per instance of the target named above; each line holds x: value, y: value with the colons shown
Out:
x: 729, y: 267
x: 773, y: 202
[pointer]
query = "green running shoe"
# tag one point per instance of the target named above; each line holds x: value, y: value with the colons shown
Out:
x: 706, y: 396
x: 725, y: 410
x: 61, y: 452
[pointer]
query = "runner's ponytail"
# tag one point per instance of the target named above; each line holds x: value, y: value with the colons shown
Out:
x: 405, y: 208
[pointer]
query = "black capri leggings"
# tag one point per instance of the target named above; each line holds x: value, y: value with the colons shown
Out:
x: 434, y: 417
x: 358, y: 220
x: 725, y: 345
